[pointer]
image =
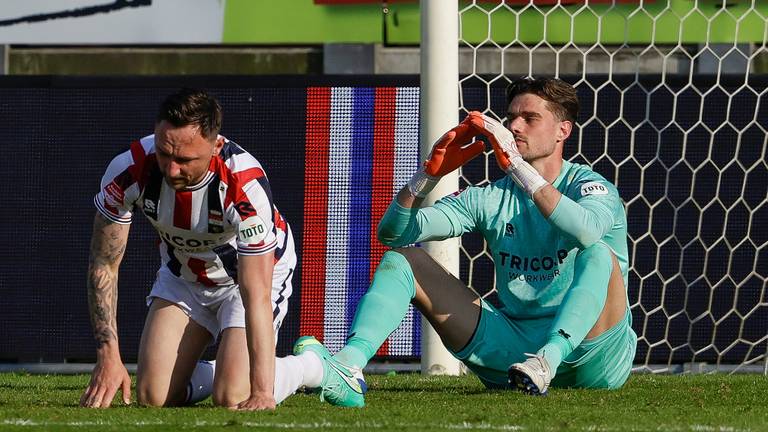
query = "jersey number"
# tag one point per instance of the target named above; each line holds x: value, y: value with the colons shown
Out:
x: 244, y: 208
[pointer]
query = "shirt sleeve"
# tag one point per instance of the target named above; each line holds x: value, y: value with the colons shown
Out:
x: 256, y: 231
x: 588, y: 211
x: 449, y: 217
x: 119, y: 190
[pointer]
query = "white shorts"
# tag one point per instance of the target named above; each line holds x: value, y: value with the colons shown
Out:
x: 222, y: 308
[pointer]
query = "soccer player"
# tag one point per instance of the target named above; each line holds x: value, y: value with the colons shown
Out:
x: 227, y: 261
x: 557, y: 233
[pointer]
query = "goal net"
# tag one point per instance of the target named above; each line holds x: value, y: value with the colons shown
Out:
x: 674, y: 111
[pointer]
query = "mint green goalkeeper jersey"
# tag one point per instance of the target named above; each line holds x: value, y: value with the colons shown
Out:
x: 533, y: 255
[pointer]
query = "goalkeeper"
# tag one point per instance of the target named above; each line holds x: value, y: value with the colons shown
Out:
x: 557, y: 232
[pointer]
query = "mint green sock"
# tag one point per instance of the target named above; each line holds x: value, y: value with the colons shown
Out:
x: 582, y: 304
x: 380, y: 311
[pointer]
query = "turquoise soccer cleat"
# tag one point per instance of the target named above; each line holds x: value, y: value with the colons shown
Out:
x: 342, y: 385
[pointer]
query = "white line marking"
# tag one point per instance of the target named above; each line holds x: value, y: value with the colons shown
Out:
x: 314, y: 425
x: 361, y: 425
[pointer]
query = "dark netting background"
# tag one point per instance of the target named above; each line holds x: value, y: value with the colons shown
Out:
x: 697, y: 229
x: 698, y: 236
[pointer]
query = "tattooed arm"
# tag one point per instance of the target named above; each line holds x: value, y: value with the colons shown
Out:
x: 107, y: 248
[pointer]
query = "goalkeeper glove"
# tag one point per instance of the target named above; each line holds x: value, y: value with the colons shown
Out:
x: 448, y: 153
x: 507, y: 155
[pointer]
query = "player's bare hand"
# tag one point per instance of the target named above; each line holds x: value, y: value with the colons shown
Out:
x: 257, y: 402
x: 107, y: 378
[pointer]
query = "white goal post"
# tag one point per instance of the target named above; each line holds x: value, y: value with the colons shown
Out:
x: 674, y: 112
x: 439, y: 102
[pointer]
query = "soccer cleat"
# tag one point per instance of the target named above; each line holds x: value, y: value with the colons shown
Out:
x: 531, y: 376
x: 342, y: 385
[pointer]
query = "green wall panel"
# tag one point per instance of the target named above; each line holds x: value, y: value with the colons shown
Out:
x: 662, y: 22
x: 299, y: 22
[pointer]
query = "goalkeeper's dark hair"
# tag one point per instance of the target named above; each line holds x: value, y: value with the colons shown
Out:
x: 190, y: 106
x: 561, y: 97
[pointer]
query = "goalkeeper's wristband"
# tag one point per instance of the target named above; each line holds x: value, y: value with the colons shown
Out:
x: 422, y: 183
x: 525, y: 176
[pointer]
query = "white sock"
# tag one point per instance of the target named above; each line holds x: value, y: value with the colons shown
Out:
x: 201, y: 384
x: 294, y: 372
x: 288, y: 376
x: 313, y: 369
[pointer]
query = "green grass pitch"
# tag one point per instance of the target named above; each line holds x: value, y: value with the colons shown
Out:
x: 410, y: 402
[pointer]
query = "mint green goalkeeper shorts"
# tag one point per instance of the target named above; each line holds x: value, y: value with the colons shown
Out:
x: 602, y: 362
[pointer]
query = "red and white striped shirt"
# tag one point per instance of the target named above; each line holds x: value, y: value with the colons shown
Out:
x: 202, y: 228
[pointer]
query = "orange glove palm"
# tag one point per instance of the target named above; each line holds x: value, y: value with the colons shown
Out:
x: 452, y: 151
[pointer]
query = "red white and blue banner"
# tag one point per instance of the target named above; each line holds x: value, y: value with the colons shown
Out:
x: 361, y: 148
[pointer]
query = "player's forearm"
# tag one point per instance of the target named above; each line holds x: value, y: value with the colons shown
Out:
x: 397, y: 226
x: 107, y: 248
x: 261, y: 340
x: 102, y: 303
x: 407, y: 200
x: 402, y: 226
x: 546, y: 199
x: 255, y: 279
